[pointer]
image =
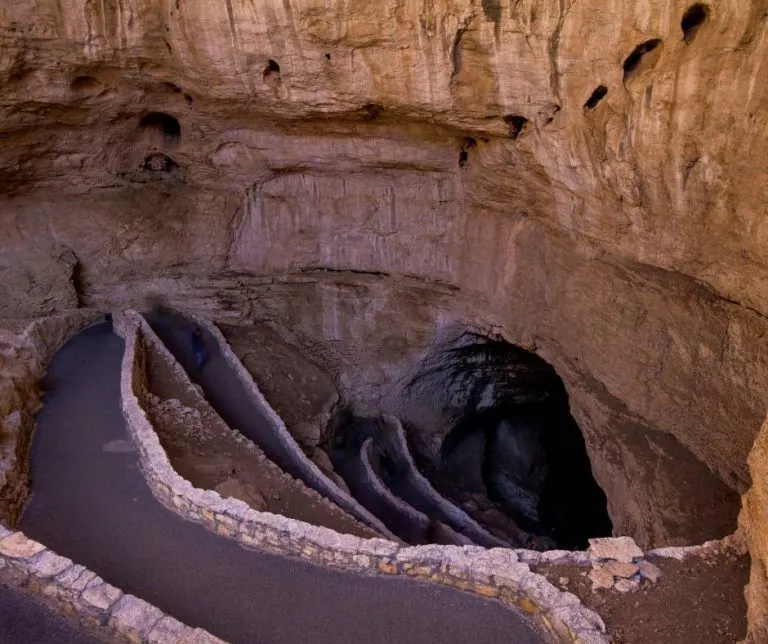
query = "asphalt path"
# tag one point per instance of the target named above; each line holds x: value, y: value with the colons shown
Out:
x: 24, y: 620
x: 91, y: 503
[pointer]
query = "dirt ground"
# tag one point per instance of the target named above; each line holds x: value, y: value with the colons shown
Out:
x: 700, y: 599
x: 298, y: 390
x: 205, y: 451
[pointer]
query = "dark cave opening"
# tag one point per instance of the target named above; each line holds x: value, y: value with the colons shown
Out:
x: 509, y: 454
x: 512, y: 443
x: 634, y: 62
x: 695, y: 16
x: 516, y: 124
x: 163, y: 125
x: 596, y: 96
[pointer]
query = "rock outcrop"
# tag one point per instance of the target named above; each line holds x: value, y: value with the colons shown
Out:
x: 583, y: 180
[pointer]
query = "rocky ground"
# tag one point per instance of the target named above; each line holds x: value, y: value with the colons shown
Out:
x: 208, y: 454
x: 663, y: 600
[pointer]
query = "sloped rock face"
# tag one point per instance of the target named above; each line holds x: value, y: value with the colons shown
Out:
x: 582, y: 180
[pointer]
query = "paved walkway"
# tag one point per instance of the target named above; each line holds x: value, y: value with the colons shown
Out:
x: 94, y: 506
x: 24, y: 620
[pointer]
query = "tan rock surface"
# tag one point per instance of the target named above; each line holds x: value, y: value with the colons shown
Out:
x: 622, y: 549
x: 312, y: 180
x: 754, y: 520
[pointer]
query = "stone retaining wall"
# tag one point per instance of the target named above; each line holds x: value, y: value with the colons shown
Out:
x: 495, y: 573
x: 73, y: 590
x: 409, y: 518
x: 24, y: 358
x: 153, y: 354
x: 309, y: 471
x: 451, y: 513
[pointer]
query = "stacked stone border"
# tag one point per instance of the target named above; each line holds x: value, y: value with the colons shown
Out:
x: 453, y: 514
x: 71, y: 589
x: 310, y: 472
x: 495, y: 573
x: 191, y: 396
x: 23, y: 361
x: 409, y: 515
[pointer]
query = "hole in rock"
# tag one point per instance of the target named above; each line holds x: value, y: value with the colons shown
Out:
x: 327, y: 56
x: 160, y: 163
x: 468, y: 144
x: 85, y: 85
x: 597, y: 96
x: 172, y: 87
x: 638, y: 60
x: 511, y: 454
x: 371, y: 111
x: 516, y: 125
x: 695, y: 16
x: 161, y: 124
x: 271, y: 69
x: 492, y: 10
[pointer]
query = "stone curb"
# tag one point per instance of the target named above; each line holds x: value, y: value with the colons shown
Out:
x: 408, y: 514
x: 76, y: 591
x: 310, y: 470
x: 495, y: 573
x: 193, y: 398
x: 459, y: 520
x: 30, y: 351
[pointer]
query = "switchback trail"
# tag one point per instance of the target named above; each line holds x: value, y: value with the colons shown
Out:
x: 94, y: 506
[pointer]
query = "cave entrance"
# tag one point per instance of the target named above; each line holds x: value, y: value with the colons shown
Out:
x: 513, y: 455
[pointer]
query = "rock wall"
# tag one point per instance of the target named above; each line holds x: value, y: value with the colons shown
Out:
x: 24, y: 357
x: 584, y: 179
x: 754, y: 520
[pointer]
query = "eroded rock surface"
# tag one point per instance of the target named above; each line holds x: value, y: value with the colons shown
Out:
x: 584, y: 181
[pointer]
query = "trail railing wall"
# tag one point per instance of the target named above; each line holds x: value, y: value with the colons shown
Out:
x: 495, y: 573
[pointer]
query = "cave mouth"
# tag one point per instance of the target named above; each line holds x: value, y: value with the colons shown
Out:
x: 513, y: 455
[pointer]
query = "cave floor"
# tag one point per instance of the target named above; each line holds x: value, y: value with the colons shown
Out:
x: 698, y: 599
x: 206, y: 453
x: 95, y: 507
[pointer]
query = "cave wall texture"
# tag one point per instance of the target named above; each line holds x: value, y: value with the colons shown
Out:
x: 367, y: 175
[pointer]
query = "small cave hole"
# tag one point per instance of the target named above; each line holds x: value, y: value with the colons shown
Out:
x: 516, y: 124
x: 597, y: 96
x: 161, y: 124
x: 371, y: 111
x: 492, y: 10
x: 271, y: 72
x: 635, y: 61
x: 159, y: 163
x: 694, y: 17
x: 327, y: 56
x: 172, y: 87
x: 469, y: 143
x: 85, y: 85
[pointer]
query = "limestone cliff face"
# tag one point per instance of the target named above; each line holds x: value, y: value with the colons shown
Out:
x: 584, y: 178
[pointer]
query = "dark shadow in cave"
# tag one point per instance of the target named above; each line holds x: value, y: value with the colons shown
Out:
x: 163, y: 125
x: 513, y: 439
